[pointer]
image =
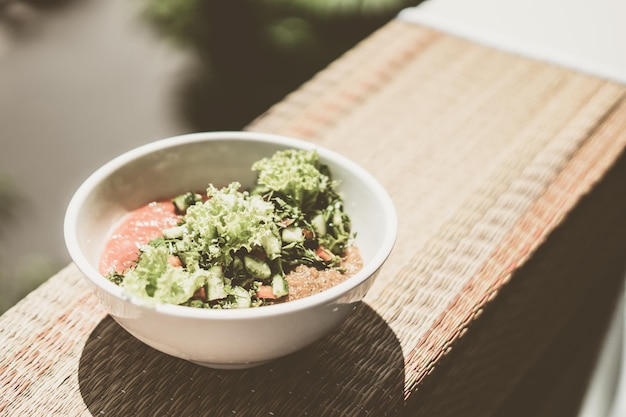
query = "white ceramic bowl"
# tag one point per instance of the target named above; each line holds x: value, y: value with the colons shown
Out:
x: 221, y: 338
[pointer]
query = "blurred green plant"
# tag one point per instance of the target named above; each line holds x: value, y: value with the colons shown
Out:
x: 19, y: 276
x: 254, y: 52
x: 9, y: 201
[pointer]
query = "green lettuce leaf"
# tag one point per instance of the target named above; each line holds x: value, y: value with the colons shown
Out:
x: 229, y: 221
x: 154, y: 278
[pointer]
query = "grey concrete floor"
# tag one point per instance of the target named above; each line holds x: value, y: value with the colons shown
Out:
x: 79, y: 84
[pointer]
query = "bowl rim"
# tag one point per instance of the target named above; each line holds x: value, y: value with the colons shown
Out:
x: 325, y: 297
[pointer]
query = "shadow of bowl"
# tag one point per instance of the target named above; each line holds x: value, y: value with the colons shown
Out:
x: 356, y: 370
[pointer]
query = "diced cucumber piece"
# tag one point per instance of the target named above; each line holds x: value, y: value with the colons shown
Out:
x: 338, y: 220
x: 190, y: 260
x: 242, y: 297
x: 319, y: 224
x: 271, y: 245
x: 183, y: 201
x: 237, y: 266
x: 174, y: 232
x: 215, y: 284
x: 292, y: 234
x: 256, y: 267
x: 280, y: 287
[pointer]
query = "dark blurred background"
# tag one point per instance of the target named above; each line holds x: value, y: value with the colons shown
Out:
x: 82, y: 81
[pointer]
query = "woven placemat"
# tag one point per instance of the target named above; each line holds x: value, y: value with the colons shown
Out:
x: 485, y: 155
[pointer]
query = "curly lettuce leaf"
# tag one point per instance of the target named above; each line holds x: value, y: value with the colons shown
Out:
x: 229, y: 221
x: 295, y: 175
x: 155, y: 278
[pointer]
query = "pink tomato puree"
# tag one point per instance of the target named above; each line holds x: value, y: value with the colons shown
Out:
x: 136, y: 229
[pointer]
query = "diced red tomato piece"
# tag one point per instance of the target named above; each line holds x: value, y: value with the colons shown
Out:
x: 200, y: 294
x: 174, y: 261
x: 265, y: 291
x: 286, y: 222
x: 323, y: 253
